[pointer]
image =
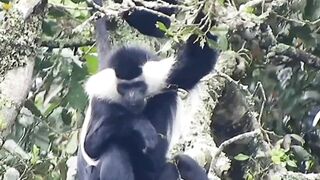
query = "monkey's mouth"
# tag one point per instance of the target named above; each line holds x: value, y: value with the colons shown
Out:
x: 136, y: 107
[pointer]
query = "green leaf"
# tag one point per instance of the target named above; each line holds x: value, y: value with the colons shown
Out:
x: 241, y: 157
x: 57, y: 12
x: 40, y: 136
x: 4, y: 1
x: 276, y: 159
x: 49, y: 27
x: 278, y: 156
x: 249, y: 176
x: 222, y: 42
x: 278, y: 152
x: 51, y: 108
x: 3, y: 123
x: 312, y: 10
x: 72, y: 145
x: 7, y: 6
x: 77, y: 1
x: 298, y: 138
x: 35, y: 155
x: 76, y: 96
x: 176, y: 38
x: 92, y: 63
x: 300, y: 153
x: 250, y: 10
x: 291, y: 163
x: 161, y: 26
x: 66, y: 116
x: 213, y: 44
x: 221, y: 2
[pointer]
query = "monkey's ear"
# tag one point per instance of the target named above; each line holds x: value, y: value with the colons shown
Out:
x: 103, y: 85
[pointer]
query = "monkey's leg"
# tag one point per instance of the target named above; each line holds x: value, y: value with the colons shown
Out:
x: 115, y: 165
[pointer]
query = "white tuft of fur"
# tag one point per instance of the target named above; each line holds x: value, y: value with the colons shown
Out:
x: 316, y: 119
x: 103, y: 85
x: 84, y: 129
x: 186, y: 108
x: 156, y: 74
x: 177, y: 126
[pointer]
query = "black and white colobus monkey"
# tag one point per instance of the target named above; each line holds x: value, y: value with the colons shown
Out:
x: 131, y: 107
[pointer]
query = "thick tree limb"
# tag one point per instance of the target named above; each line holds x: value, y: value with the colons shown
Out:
x: 281, y: 50
x: 18, y: 36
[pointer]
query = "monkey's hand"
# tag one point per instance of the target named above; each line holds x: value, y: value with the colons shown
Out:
x: 148, y: 133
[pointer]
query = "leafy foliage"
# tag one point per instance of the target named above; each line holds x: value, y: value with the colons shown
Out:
x: 48, y: 125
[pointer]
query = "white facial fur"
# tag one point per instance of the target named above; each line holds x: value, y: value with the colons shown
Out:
x: 156, y: 74
x: 103, y: 85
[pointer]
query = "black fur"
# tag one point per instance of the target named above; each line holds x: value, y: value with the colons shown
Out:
x: 113, y: 127
x: 127, y: 61
x: 194, y: 62
x: 145, y: 21
x: 148, y: 27
x: 133, y: 146
x: 183, y: 167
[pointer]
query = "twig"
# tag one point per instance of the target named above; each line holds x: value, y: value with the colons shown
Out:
x: 124, y: 9
x: 262, y: 6
x: 159, y: 14
x: 108, y: 13
x: 158, y: 5
x: 83, y: 25
x: 264, y: 99
x: 70, y: 7
x: 314, y: 23
x: 69, y: 44
x: 231, y: 2
x: 229, y: 79
x: 247, y: 135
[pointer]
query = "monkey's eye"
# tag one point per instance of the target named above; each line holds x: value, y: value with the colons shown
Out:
x: 138, y: 86
x: 122, y: 88
x: 141, y: 86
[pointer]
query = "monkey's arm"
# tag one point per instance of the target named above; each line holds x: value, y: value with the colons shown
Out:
x: 105, y: 126
x: 147, y: 132
x: 194, y: 60
x: 110, y: 124
x: 100, y: 135
x: 192, y: 64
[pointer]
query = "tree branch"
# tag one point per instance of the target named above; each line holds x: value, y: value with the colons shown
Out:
x: 18, y: 35
x: 68, y: 44
x: 294, y: 54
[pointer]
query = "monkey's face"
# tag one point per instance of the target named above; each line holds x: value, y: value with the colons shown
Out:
x: 133, y: 95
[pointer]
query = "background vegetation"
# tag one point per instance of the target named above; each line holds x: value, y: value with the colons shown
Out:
x: 279, y: 40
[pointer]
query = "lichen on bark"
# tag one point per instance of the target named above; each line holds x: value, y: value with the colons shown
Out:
x: 18, y: 39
